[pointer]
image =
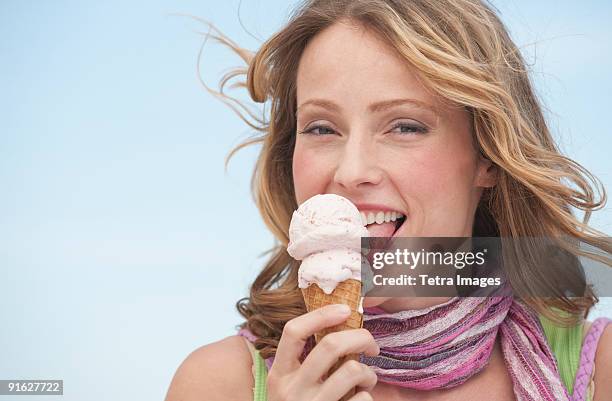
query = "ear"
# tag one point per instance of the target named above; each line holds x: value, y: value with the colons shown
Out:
x: 486, y: 175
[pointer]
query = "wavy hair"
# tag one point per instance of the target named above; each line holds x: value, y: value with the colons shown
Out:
x: 463, y: 52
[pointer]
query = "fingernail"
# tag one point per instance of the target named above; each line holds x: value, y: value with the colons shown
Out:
x: 341, y: 309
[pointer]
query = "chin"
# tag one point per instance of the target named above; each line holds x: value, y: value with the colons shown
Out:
x: 370, y: 302
x: 397, y: 304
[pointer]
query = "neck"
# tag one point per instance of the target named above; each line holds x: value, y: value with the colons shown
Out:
x: 397, y: 304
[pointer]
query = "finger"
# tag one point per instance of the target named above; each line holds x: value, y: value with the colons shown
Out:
x: 350, y: 374
x: 297, y: 331
x: 362, y: 396
x: 332, y: 347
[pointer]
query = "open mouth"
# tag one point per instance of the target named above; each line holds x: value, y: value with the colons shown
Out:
x: 398, y: 224
x: 381, y: 233
x: 383, y: 224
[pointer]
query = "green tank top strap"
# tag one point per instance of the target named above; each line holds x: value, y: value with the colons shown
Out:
x: 260, y: 374
x: 566, y: 345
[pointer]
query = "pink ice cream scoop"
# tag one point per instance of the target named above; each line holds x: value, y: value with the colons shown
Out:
x: 325, y: 234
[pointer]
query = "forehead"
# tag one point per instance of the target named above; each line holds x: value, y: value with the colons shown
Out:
x: 351, y: 64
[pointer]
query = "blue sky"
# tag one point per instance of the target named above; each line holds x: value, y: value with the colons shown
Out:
x: 123, y: 243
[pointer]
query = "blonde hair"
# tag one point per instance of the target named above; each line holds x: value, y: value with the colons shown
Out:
x: 463, y: 52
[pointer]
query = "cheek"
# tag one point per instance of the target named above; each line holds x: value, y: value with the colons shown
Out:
x: 438, y: 181
x: 311, y: 173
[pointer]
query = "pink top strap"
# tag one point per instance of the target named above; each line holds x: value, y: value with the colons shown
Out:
x: 246, y: 333
x: 587, y: 358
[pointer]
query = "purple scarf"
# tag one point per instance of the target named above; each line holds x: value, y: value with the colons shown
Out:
x: 444, y: 345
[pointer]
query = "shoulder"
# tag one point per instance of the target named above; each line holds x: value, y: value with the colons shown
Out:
x: 216, y: 371
x: 603, y: 364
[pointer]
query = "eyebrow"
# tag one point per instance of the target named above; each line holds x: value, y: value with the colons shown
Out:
x: 374, y: 107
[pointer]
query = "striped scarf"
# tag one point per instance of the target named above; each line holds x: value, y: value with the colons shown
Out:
x: 444, y: 345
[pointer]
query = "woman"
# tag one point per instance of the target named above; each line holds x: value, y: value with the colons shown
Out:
x: 424, y: 108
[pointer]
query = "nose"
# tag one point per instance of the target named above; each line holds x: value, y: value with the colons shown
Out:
x: 358, y: 166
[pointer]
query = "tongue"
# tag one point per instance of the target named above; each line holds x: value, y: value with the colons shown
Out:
x: 381, y: 230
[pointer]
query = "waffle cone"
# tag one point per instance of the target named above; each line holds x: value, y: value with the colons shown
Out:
x: 346, y: 292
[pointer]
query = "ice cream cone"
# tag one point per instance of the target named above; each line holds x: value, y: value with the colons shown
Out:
x: 325, y: 233
x: 346, y: 292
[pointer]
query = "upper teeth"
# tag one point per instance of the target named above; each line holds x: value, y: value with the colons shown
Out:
x: 379, y: 217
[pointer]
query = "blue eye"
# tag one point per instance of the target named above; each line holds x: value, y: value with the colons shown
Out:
x: 409, y: 129
x: 323, y: 130
x: 403, y: 129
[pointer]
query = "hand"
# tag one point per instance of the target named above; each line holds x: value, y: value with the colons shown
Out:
x: 288, y: 380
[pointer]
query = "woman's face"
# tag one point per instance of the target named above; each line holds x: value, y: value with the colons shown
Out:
x: 370, y: 131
